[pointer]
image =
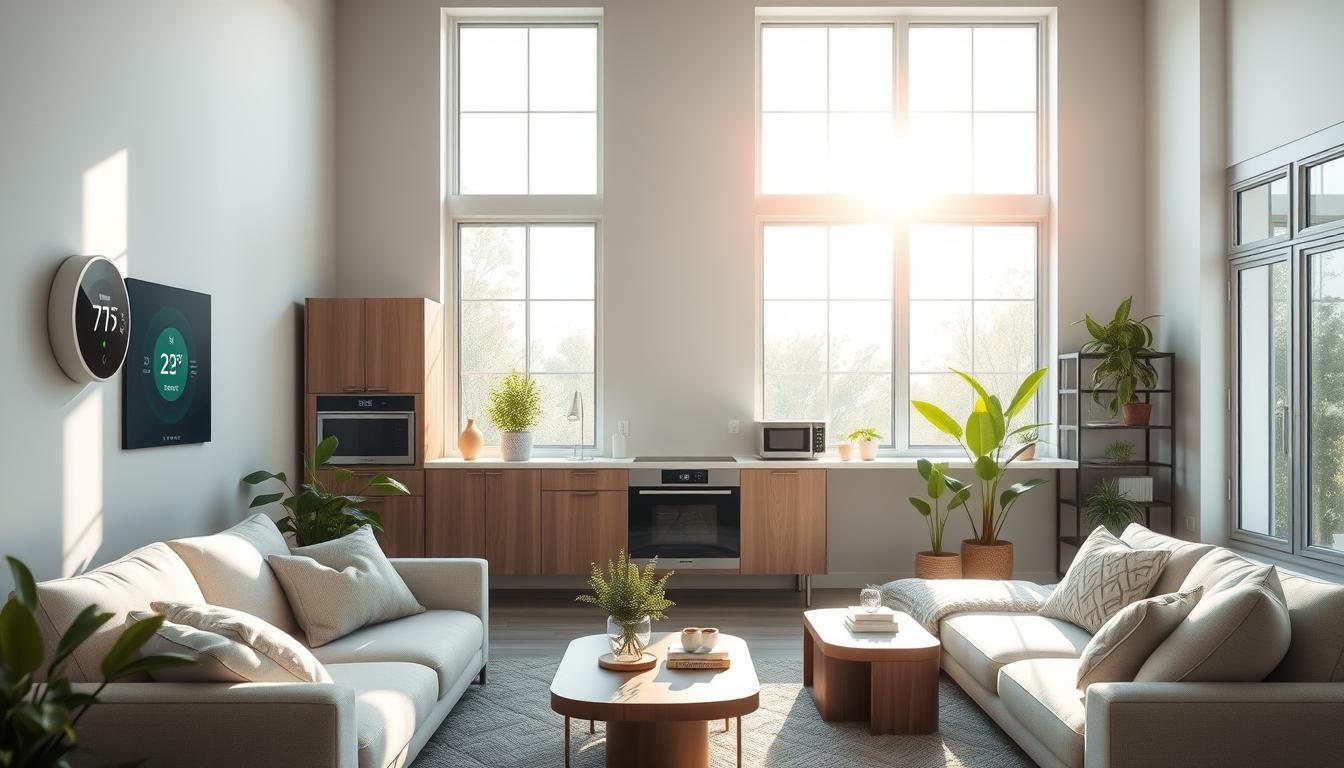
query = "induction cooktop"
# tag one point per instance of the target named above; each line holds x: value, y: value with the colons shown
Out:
x: 706, y: 459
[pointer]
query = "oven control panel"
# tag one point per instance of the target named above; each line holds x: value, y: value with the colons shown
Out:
x: 685, y: 477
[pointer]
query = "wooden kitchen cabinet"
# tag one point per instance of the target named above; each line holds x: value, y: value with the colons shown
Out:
x: 579, y: 528
x: 494, y: 514
x: 454, y: 513
x: 403, y: 524
x: 334, y: 330
x: 783, y: 521
x: 367, y: 345
x: 394, y: 346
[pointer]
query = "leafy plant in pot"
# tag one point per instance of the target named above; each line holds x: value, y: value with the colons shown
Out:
x: 38, y: 722
x: 1126, y: 346
x: 1107, y: 505
x: 515, y: 408
x: 632, y: 599
x: 935, y: 563
x: 985, y: 439
x: 1028, y: 439
x: 868, y: 439
x: 317, y: 513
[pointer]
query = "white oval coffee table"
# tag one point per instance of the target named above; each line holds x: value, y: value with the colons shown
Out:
x: 658, y: 718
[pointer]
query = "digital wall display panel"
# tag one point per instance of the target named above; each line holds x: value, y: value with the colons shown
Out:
x: 166, y: 383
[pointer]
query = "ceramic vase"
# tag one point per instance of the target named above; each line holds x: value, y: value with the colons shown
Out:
x: 469, y: 442
x: 846, y: 451
x: 868, y: 450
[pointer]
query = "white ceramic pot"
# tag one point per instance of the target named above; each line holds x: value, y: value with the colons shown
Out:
x: 709, y: 639
x: 868, y: 450
x: 846, y: 451
x: 691, y: 638
x: 515, y: 446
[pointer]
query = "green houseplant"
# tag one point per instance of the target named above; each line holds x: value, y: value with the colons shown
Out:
x: 1028, y: 439
x: 317, y: 512
x: 868, y: 439
x: 632, y: 599
x: 1126, y: 346
x: 38, y: 722
x: 1119, y: 451
x: 515, y: 408
x: 935, y: 563
x: 985, y: 439
x: 1106, y: 505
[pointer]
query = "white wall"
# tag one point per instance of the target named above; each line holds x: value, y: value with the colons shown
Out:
x: 190, y: 140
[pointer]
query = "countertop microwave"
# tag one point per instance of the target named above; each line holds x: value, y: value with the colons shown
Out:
x: 370, y: 429
x: 791, y: 439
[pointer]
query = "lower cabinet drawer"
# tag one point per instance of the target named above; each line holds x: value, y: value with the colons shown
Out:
x: 413, y: 479
x: 579, y: 528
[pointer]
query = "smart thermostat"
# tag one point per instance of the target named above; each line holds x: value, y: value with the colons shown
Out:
x: 89, y: 318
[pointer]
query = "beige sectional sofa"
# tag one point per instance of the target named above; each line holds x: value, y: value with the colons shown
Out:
x: 394, y: 682
x: 1021, y: 668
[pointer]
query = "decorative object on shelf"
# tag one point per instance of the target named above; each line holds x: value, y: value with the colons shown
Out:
x: 1125, y: 366
x: 40, y: 725
x: 469, y: 442
x: 317, y: 513
x: 870, y: 598
x: 1107, y: 505
x: 575, y: 413
x: 868, y: 439
x: 699, y: 639
x: 706, y: 658
x: 934, y: 563
x: 846, y: 451
x: 88, y: 318
x: 1119, y: 451
x: 618, y: 446
x: 515, y: 408
x: 165, y: 393
x: 984, y: 438
x: 709, y: 639
x: 1137, y: 487
x: 1029, y: 439
x: 632, y: 598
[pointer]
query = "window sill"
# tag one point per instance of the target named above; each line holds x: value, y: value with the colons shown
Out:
x: 1295, y: 564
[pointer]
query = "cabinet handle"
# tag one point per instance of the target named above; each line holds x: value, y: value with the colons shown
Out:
x: 783, y: 471
x: 583, y: 493
x: 352, y: 389
x: 375, y: 389
x: 493, y: 474
x: 583, y: 471
x: 477, y: 472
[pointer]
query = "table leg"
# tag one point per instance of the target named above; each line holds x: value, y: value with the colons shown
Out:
x: 566, y: 741
x: 592, y: 727
x: 904, y: 696
x: 807, y: 655
x: 726, y: 728
x: 660, y: 744
x: 739, y: 741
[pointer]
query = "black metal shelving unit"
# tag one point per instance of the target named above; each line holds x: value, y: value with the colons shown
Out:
x: 1079, y: 419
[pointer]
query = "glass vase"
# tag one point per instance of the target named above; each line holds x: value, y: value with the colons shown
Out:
x: 629, y: 639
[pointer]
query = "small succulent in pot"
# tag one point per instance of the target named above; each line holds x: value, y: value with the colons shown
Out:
x: 1120, y: 452
x: 1029, y: 439
x: 868, y: 439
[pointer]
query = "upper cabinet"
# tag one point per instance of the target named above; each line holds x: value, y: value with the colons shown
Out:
x: 370, y: 345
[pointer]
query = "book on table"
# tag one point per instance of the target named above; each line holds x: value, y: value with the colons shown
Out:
x: 713, y: 664
x: 882, y: 615
x: 681, y: 654
x: 889, y: 627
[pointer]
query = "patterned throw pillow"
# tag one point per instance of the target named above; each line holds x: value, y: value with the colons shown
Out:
x: 1106, y: 575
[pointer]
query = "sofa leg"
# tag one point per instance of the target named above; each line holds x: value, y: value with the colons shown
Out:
x: 480, y: 679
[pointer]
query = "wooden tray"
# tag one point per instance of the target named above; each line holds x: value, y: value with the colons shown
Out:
x: 646, y: 662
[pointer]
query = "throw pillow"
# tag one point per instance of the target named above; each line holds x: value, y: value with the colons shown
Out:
x: 1239, y: 632
x: 341, y: 585
x: 219, y: 659
x: 1124, y: 643
x: 244, y: 628
x: 1106, y: 575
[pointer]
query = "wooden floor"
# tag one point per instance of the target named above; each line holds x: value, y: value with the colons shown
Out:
x: 542, y: 622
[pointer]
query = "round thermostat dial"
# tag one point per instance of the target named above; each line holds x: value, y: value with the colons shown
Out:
x: 89, y: 318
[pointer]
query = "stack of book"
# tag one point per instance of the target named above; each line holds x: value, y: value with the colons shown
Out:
x: 677, y: 658
x: 881, y: 621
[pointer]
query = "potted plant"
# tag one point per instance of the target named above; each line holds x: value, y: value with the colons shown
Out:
x: 515, y: 408
x: 1126, y: 346
x: 846, y: 450
x: 1119, y: 452
x: 868, y: 439
x: 984, y: 438
x: 38, y: 722
x: 1107, y: 505
x: 632, y: 599
x: 1028, y: 439
x: 935, y: 563
x: 317, y: 513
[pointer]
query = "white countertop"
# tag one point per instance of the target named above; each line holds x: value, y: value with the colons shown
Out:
x: 743, y: 462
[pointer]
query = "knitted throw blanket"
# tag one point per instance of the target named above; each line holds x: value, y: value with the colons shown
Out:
x: 928, y: 601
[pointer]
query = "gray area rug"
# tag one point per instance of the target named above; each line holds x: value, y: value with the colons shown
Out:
x: 509, y: 723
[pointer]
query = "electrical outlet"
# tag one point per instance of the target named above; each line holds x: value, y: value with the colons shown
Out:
x: 623, y: 427
x: 1190, y: 523
x: 734, y: 426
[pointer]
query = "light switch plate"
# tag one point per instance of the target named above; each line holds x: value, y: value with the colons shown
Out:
x: 623, y: 427
x: 734, y: 426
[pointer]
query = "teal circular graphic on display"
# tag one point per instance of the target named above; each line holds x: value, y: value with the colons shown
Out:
x: 170, y: 364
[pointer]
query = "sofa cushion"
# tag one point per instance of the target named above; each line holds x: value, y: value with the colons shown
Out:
x: 1220, y: 569
x: 278, y: 647
x: 150, y: 573
x: 1184, y: 555
x: 1040, y: 694
x: 444, y: 641
x: 1316, y: 611
x: 392, y: 699
x: 219, y: 658
x: 1105, y: 576
x: 231, y: 569
x: 1239, y: 632
x: 1119, y: 649
x: 982, y: 643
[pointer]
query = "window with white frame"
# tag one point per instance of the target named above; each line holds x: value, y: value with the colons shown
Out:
x: 863, y: 312
x: 524, y: 200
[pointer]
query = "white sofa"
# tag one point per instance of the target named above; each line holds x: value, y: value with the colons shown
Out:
x: 1021, y: 668
x: 394, y: 682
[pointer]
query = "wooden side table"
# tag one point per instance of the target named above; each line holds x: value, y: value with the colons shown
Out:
x: 889, y: 680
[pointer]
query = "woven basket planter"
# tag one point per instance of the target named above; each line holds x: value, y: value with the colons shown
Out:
x: 944, y: 565
x: 981, y: 561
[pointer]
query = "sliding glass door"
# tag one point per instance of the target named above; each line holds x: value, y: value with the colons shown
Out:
x: 1324, y: 267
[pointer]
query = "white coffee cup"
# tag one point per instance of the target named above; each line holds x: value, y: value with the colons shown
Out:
x: 709, y: 637
x: 691, y: 639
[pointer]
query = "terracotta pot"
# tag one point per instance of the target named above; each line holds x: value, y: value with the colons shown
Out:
x: 986, y: 561
x: 944, y: 565
x: 846, y: 451
x: 1136, y: 414
x: 868, y: 449
x: 469, y: 442
x: 1028, y: 454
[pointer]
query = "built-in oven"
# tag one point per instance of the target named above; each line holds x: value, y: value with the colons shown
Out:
x: 368, y: 429
x: 690, y: 519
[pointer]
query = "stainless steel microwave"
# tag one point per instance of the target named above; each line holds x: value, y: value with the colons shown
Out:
x: 368, y: 429
x: 791, y: 439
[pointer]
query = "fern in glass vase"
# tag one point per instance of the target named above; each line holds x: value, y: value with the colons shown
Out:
x: 632, y: 598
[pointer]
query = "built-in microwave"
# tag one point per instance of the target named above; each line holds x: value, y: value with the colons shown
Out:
x: 368, y: 429
x: 791, y: 439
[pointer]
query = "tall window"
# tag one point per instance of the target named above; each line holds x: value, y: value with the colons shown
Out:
x: 863, y: 312
x: 524, y: 200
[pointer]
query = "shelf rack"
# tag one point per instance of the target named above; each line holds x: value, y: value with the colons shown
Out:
x: 1158, y: 459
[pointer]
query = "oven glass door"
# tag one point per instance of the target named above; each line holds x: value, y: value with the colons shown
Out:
x: 684, y: 523
x: 369, y: 438
x: 788, y: 439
